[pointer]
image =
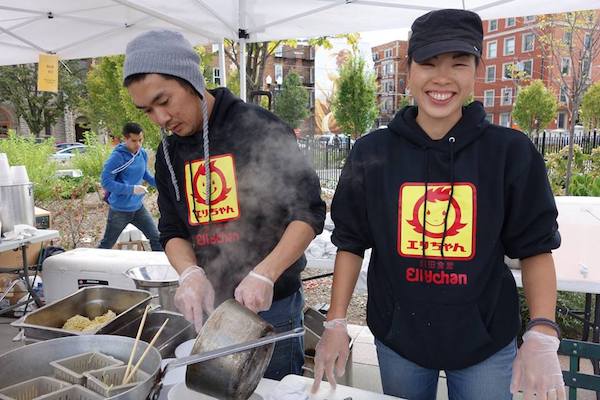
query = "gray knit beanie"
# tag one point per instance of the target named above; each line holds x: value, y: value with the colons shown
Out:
x: 164, y: 52
x: 168, y: 52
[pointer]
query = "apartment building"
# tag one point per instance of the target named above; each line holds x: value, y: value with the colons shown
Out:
x: 390, y: 63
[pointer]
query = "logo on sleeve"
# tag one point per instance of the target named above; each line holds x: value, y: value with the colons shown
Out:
x: 224, y: 204
x: 421, y: 226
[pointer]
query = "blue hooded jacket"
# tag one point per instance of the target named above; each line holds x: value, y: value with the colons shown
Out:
x: 120, y: 180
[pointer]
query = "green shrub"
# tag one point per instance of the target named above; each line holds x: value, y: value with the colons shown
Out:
x: 34, y: 156
x: 556, y: 163
x: 585, y: 185
x: 92, y: 160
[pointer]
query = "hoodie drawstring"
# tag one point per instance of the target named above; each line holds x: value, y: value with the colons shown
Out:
x: 163, y: 139
x: 425, y: 203
x: 451, y: 140
x: 206, y: 149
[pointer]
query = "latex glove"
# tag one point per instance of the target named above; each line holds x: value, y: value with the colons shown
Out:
x: 139, y: 189
x: 194, y: 296
x: 255, y: 291
x: 332, y: 350
x: 536, y: 370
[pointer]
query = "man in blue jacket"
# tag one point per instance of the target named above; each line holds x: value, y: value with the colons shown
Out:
x: 122, y: 176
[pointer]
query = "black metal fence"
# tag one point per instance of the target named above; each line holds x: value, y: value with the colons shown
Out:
x: 546, y: 143
x: 328, y: 153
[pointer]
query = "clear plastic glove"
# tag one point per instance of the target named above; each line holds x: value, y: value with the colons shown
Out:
x: 332, y: 351
x: 194, y: 296
x: 536, y: 370
x: 139, y: 189
x: 255, y: 291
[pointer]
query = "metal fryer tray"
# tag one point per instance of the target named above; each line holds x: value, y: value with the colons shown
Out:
x: 46, y: 322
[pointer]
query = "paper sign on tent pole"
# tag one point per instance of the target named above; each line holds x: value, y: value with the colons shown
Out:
x: 48, y: 73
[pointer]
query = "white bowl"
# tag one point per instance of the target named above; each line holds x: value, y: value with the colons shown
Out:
x: 185, y: 348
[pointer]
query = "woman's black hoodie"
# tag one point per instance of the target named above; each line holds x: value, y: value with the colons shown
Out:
x: 440, y: 293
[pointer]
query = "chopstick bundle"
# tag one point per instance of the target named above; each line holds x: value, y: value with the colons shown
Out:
x: 127, y: 378
x: 137, y: 338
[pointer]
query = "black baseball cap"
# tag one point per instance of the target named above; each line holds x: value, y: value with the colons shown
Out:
x: 445, y: 31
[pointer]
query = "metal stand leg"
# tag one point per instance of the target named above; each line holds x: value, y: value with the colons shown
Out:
x: 596, y: 336
x: 35, y: 297
x: 587, y: 317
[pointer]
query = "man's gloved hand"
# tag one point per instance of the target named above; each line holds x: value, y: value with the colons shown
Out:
x: 332, y: 350
x: 255, y: 291
x: 195, y: 295
x: 536, y: 370
x: 139, y: 189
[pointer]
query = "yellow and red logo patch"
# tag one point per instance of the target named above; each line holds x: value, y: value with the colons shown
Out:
x: 413, y: 225
x: 224, y: 204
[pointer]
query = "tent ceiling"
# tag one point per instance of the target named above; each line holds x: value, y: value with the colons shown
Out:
x: 90, y: 28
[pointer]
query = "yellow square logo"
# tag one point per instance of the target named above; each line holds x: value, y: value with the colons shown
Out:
x: 224, y: 204
x: 417, y: 221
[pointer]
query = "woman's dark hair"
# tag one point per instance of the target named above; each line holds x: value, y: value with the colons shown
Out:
x: 131, y: 127
x: 141, y: 76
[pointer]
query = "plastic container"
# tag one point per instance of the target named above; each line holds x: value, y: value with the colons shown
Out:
x: 107, y: 381
x: 32, y: 389
x: 71, y: 369
x: 72, y: 393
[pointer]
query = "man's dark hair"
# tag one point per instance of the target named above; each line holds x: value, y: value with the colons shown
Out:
x: 131, y: 127
x: 140, y: 77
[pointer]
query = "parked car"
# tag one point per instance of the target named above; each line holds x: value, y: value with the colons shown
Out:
x: 65, y: 145
x: 67, y: 153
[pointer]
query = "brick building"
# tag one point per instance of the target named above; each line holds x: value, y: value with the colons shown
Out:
x: 390, y: 63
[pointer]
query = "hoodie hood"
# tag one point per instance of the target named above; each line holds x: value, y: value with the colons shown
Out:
x: 468, y: 129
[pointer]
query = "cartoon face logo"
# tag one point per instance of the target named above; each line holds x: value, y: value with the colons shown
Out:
x: 437, y: 204
x: 218, y: 185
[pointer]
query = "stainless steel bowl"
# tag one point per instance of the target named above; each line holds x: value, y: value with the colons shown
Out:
x: 160, y: 280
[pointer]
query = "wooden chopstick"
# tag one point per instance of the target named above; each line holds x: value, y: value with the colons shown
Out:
x: 128, y: 378
x: 137, y: 339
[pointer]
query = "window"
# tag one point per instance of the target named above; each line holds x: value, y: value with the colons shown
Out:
x: 279, y: 51
x: 492, y: 25
x: 311, y: 53
x: 216, y: 76
x: 585, y: 67
x: 490, y: 118
x: 215, y: 48
x: 564, y: 94
x: 507, y: 71
x: 312, y: 75
x: 565, y: 66
x: 490, y: 73
x: 488, y: 98
x: 506, y: 99
x: 388, y: 69
x: 388, y: 53
x: 505, y: 120
x: 529, y: 18
x: 375, y: 56
x: 510, y: 22
x: 492, y: 49
x: 587, y: 41
x: 567, y: 38
x: 509, y: 46
x: 528, y: 41
x: 278, y: 72
x: 527, y: 67
x: 561, y: 121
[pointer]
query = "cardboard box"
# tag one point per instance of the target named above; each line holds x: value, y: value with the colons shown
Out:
x: 43, y: 218
x: 14, y: 293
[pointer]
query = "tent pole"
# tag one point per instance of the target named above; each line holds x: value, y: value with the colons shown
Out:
x: 222, y: 67
x: 242, y: 36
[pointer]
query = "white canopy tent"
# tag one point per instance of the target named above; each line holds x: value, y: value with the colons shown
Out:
x: 93, y: 28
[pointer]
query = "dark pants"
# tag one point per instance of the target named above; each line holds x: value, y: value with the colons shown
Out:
x: 118, y: 220
x: 288, y: 358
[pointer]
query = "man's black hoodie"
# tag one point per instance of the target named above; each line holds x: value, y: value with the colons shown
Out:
x: 440, y: 293
x: 260, y: 181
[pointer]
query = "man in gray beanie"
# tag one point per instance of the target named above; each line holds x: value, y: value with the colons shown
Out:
x: 239, y: 203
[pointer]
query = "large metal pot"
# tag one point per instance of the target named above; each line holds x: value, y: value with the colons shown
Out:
x: 34, y: 360
x: 16, y: 205
x: 236, y: 376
